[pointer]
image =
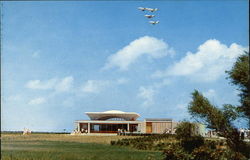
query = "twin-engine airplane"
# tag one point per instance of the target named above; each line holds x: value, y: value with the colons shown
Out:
x: 147, y: 9
x: 149, y: 16
x: 154, y: 22
x: 152, y: 9
x: 142, y: 8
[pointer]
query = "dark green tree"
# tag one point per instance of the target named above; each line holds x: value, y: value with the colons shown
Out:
x: 239, y: 76
x: 189, y: 139
x: 185, y: 129
x: 218, y: 119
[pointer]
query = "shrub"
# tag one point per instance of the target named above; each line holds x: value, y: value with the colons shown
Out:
x: 211, y: 144
x: 189, y: 144
x: 112, y: 142
x: 175, y: 152
x: 235, y: 155
x: 185, y: 130
x: 141, y: 146
x: 206, y: 153
x: 159, y: 146
x: 144, y: 143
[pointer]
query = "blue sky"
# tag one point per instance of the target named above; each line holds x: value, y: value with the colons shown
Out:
x: 61, y: 59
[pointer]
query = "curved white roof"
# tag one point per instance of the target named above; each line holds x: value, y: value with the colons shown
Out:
x: 129, y: 116
x: 113, y: 111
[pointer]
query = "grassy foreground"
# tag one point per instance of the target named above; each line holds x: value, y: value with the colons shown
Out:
x: 67, y: 147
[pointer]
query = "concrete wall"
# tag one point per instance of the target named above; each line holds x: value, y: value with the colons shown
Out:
x: 143, y: 127
x: 161, y: 127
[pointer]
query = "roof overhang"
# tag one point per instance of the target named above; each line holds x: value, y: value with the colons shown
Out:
x: 129, y: 116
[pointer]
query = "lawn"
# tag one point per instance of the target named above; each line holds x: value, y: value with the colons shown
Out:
x: 67, y: 147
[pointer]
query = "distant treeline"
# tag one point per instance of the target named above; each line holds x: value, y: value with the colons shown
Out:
x: 34, y: 132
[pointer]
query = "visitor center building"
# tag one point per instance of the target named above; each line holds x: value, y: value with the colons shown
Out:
x: 115, y: 121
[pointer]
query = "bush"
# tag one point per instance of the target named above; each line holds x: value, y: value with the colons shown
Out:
x: 112, y: 143
x: 235, y: 155
x: 160, y: 146
x: 189, y: 144
x: 144, y: 143
x: 175, y: 152
x: 185, y: 130
x: 211, y: 144
x: 206, y: 153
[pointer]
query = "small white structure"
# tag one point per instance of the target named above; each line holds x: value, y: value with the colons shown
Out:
x: 26, y: 131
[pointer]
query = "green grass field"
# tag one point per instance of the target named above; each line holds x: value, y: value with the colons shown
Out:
x: 67, y: 147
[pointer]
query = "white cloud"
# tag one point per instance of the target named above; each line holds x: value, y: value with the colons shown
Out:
x: 60, y: 85
x: 37, y: 84
x: 122, y: 81
x: 147, y: 94
x: 207, y: 64
x: 210, y: 93
x: 182, y: 106
x: 94, y: 86
x: 161, y: 84
x: 146, y: 45
x: 14, y: 98
x: 37, y: 101
x: 65, y: 84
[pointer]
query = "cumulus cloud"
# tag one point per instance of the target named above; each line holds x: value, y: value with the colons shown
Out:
x: 146, y: 45
x: 94, y: 86
x: 181, y: 106
x: 14, y: 98
x: 65, y: 84
x: 37, y: 101
x: 210, y: 93
x: 59, y: 85
x: 122, y: 81
x: 37, y: 84
x: 207, y: 64
x: 161, y: 84
x: 147, y: 94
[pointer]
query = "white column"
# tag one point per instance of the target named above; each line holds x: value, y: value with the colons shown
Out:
x: 128, y: 127
x: 78, y: 126
x: 172, y: 127
x: 88, y: 128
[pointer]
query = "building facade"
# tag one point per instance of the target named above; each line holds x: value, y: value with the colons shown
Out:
x: 114, y: 121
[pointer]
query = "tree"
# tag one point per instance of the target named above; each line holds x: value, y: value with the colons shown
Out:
x: 185, y: 129
x: 189, y: 139
x: 239, y: 76
x: 218, y: 119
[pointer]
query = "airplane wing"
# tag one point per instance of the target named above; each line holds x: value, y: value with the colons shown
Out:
x: 141, y: 8
x: 149, y: 16
x: 151, y: 9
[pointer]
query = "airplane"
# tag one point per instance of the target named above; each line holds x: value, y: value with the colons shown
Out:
x: 149, y: 16
x: 151, y: 9
x: 154, y: 22
x: 142, y: 8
